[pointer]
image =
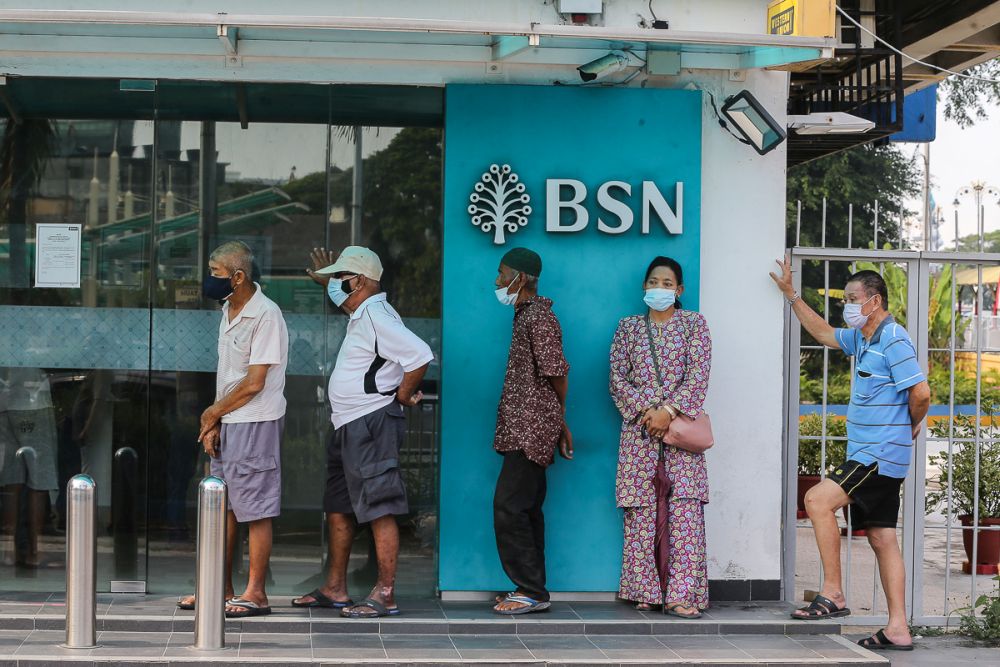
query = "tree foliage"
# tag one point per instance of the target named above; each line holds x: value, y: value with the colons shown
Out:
x: 966, y: 100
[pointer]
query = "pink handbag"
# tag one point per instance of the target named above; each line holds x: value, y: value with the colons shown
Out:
x: 693, y: 435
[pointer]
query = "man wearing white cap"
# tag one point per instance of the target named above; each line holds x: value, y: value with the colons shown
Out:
x: 378, y: 371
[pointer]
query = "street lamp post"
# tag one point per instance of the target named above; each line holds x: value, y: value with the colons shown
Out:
x: 977, y: 189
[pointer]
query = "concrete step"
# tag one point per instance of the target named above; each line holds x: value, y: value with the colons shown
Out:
x: 41, y: 647
x: 146, y: 613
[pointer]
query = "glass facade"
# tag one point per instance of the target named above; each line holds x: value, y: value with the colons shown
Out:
x: 109, y: 379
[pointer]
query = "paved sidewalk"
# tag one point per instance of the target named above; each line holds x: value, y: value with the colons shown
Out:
x: 946, y: 651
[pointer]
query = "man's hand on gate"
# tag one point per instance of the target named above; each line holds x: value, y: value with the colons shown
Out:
x: 784, y: 281
x: 320, y: 259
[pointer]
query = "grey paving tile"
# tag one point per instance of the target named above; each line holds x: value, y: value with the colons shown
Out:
x: 47, y: 643
x: 419, y: 647
x: 277, y: 626
x: 125, y: 624
x: 26, y: 597
x: 732, y: 628
x: 17, y: 623
x: 682, y: 627
x: 812, y: 628
x: 481, y: 627
x: 549, y: 628
x: 354, y: 647
x: 562, y: 647
x: 774, y: 648
x: 397, y: 626
x: 137, y: 644
x: 18, y: 609
x: 11, y: 639
x: 491, y: 647
x: 346, y: 626
x: 604, y: 611
x: 632, y: 648
x: 703, y: 648
x: 617, y: 628
x: 273, y: 645
x: 827, y: 647
x: 468, y: 610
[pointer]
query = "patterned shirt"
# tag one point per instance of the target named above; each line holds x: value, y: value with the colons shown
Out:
x: 683, y: 347
x: 530, y: 418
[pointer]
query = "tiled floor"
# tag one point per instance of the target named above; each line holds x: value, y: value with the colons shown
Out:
x: 39, y: 645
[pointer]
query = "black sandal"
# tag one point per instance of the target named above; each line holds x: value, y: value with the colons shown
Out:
x: 879, y: 642
x: 820, y: 607
x: 319, y: 599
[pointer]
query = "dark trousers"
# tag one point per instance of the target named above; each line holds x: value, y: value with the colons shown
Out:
x: 519, y: 524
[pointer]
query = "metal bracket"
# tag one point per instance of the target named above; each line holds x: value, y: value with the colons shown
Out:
x: 229, y: 37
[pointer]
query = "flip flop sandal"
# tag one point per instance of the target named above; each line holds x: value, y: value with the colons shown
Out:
x: 879, y: 642
x: 531, y: 605
x: 189, y: 606
x: 380, y: 610
x: 319, y: 599
x: 500, y: 597
x: 671, y: 610
x: 247, y: 609
x: 820, y: 607
x: 645, y: 606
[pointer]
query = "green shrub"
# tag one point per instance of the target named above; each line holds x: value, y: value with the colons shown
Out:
x: 962, y: 462
x: 810, y: 451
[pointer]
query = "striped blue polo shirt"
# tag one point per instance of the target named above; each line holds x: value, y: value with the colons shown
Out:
x: 878, y: 418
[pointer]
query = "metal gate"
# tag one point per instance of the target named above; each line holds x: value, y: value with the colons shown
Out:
x: 955, y: 340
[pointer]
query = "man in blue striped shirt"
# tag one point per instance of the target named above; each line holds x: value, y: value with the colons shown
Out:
x: 889, y: 400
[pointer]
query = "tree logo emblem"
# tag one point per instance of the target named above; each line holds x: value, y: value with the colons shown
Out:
x: 499, y: 203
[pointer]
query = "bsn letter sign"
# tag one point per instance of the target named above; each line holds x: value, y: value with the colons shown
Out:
x: 612, y: 198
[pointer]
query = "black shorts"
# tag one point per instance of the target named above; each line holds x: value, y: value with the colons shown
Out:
x: 362, y: 466
x: 875, y: 497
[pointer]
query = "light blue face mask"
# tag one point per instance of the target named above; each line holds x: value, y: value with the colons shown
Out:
x: 335, y: 290
x: 660, y: 299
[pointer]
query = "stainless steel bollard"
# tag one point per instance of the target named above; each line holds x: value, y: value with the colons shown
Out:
x: 81, y: 563
x: 210, y: 603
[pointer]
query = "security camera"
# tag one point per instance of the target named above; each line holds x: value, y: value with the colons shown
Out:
x: 616, y: 61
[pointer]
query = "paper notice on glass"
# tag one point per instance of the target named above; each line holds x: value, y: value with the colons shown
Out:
x: 57, y: 255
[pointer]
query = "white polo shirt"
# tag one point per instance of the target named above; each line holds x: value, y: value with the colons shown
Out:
x: 377, y: 350
x: 257, y: 336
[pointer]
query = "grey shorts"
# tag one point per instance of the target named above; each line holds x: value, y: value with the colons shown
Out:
x: 362, y: 466
x: 34, y: 429
x: 249, y: 462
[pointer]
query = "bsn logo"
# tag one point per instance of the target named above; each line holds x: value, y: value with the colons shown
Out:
x: 499, y: 204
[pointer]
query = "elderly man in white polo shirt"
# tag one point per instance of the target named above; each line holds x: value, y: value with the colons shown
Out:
x: 242, y: 430
x: 379, y: 369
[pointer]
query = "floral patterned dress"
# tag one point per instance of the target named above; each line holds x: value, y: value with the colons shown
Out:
x: 684, y: 351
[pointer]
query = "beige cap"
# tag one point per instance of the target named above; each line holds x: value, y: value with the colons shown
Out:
x: 357, y: 260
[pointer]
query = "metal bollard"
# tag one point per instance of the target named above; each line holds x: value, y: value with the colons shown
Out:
x: 210, y: 604
x: 81, y: 563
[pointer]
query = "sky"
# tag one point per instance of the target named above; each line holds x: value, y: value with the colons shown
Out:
x: 958, y: 158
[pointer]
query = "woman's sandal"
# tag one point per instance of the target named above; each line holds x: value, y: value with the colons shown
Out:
x: 879, y: 642
x: 671, y: 610
x: 820, y: 607
x: 645, y: 606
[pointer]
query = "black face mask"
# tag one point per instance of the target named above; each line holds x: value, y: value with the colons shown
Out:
x: 217, y: 289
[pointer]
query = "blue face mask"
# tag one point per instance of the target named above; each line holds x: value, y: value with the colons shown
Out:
x: 217, y: 289
x: 337, y: 291
x: 660, y: 299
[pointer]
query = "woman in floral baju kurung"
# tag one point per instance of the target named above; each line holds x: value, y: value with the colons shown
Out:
x: 684, y: 351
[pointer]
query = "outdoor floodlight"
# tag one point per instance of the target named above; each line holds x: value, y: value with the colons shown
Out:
x: 752, y: 122
x: 834, y: 122
x: 616, y: 61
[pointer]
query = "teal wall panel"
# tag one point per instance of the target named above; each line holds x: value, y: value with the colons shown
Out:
x: 594, y: 135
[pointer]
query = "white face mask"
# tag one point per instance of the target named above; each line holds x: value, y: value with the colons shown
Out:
x: 853, y: 315
x: 507, y: 299
x: 660, y: 299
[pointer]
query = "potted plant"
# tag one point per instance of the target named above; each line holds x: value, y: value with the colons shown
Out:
x: 962, y: 484
x: 810, y: 466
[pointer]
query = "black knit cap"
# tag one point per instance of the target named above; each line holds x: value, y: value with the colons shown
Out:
x: 523, y: 260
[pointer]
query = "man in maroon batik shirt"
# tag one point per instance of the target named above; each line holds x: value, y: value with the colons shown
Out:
x: 530, y: 424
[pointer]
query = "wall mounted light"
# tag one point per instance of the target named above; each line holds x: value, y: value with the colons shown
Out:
x: 752, y: 121
x: 834, y: 122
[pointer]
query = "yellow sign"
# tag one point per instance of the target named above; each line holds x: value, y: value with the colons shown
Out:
x: 801, y: 18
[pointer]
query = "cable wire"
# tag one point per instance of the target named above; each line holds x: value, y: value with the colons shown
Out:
x: 909, y: 57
